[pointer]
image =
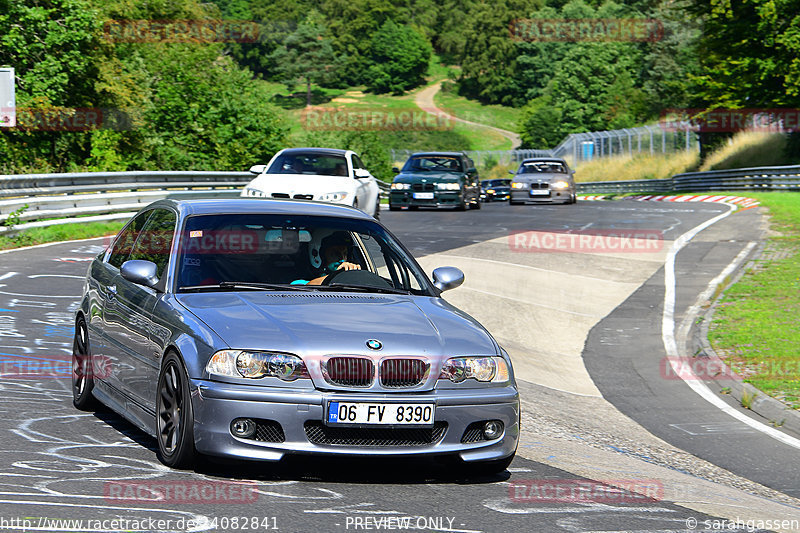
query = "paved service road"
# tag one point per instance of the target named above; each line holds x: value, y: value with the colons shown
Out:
x: 58, y: 463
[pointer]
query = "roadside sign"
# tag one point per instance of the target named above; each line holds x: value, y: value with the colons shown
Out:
x: 8, y: 103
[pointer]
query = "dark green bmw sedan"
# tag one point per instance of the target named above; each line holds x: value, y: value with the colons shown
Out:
x: 436, y: 179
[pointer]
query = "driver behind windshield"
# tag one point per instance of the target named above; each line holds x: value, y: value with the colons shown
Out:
x: 333, y: 251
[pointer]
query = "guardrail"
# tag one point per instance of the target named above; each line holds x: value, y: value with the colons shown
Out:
x: 785, y: 178
x: 104, y: 195
x: 32, y: 200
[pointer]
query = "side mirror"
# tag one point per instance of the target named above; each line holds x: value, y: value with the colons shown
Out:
x: 511, y: 172
x: 446, y: 278
x: 140, y: 272
x: 258, y: 169
x: 362, y: 173
x: 396, y: 170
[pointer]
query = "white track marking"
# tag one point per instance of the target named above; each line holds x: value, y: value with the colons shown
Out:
x: 47, y: 244
x: 8, y: 275
x: 671, y: 344
x: 34, y: 276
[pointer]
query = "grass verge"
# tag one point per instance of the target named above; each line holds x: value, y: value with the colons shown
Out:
x: 756, y: 327
x: 638, y: 167
x: 750, y: 149
x: 499, y: 116
x: 61, y: 232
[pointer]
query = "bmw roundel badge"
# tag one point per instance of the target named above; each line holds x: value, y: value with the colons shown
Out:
x: 373, y: 344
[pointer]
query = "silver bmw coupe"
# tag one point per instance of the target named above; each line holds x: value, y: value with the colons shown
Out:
x: 253, y: 329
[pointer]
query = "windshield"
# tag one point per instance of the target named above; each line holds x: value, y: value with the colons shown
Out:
x: 496, y: 183
x: 438, y: 163
x: 293, y: 252
x: 547, y: 167
x: 309, y: 163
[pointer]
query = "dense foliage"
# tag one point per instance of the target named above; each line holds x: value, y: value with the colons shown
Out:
x: 202, y: 104
x: 152, y: 105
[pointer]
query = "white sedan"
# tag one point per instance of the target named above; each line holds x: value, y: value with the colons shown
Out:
x: 323, y: 174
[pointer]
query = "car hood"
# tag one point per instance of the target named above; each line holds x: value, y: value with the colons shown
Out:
x: 414, y: 177
x: 292, y: 184
x: 315, y: 325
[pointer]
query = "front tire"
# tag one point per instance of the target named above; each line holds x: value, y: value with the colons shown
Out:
x: 82, y: 369
x: 175, y: 418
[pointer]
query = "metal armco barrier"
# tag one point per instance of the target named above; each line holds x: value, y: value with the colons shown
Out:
x: 59, y: 198
x: 740, y: 179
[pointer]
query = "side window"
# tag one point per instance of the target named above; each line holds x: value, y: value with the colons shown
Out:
x: 122, y: 248
x: 155, y: 240
x: 388, y: 267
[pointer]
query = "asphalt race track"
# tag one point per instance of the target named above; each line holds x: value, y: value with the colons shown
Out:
x: 59, y: 463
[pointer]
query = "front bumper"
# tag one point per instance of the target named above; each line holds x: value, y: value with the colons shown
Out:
x: 439, y: 199
x: 497, y: 196
x: 216, y: 404
x: 554, y: 196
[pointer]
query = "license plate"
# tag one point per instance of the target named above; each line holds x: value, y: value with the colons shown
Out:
x: 418, y: 414
x: 423, y: 196
x: 540, y: 192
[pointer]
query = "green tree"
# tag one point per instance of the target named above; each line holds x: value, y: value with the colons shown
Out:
x: 307, y: 55
x: 749, y: 53
x: 400, y: 57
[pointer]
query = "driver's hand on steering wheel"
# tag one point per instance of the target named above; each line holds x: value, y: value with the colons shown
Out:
x: 349, y: 266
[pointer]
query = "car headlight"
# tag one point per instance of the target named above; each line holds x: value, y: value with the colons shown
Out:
x: 254, y: 365
x: 517, y: 185
x: 333, y: 196
x: 560, y: 185
x: 401, y: 186
x: 483, y: 369
x: 448, y: 186
x: 255, y: 193
x: 490, y: 191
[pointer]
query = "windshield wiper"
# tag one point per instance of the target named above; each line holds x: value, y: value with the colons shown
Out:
x: 360, y: 288
x: 245, y: 285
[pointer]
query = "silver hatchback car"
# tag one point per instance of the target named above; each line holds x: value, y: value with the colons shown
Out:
x: 253, y: 329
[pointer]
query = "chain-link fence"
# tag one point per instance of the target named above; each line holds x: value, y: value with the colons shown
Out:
x: 581, y: 147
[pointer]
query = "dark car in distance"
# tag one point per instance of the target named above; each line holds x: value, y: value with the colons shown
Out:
x: 436, y: 179
x: 499, y: 189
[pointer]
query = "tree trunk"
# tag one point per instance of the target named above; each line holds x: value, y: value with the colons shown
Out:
x: 308, y: 92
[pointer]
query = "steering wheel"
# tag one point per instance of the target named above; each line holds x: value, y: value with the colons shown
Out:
x: 363, y: 278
